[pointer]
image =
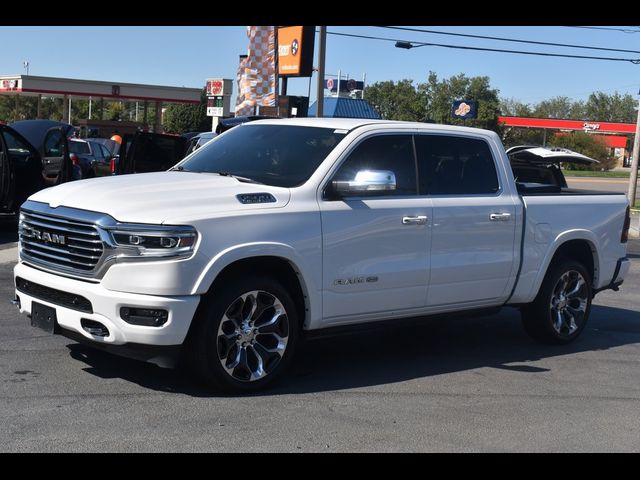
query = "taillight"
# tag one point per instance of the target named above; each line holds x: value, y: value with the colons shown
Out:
x: 625, y: 229
x: 113, y: 166
x: 74, y: 159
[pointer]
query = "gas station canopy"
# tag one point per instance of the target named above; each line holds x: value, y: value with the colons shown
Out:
x: 70, y: 87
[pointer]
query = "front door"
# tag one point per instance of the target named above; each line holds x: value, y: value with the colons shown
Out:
x: 375, y: 246
x: 473, y: 229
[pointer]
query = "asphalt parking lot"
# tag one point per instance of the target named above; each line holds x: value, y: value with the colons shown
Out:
x: 467, y: 384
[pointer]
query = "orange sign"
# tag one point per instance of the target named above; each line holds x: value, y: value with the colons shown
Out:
x: 295, y: 51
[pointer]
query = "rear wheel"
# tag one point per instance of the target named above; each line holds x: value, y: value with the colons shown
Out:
x: 245, y: 334
x: 561, y: 309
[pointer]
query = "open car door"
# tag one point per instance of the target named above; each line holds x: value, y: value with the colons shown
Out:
x: 20, y: 169
x: 55, y: 157
x: 6, y: 173
x: 150, y: 152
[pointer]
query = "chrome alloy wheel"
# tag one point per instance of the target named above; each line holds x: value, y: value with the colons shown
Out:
x: 252, y: 336
x: 569, y: 303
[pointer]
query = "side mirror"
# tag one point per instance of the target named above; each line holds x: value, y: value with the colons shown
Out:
x: 366, y: 181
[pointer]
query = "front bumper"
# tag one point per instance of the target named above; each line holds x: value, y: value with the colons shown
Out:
x: 106, y: 306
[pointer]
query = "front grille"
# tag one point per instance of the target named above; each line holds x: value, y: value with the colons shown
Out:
x: 57, y: 297
x: 53, y: 241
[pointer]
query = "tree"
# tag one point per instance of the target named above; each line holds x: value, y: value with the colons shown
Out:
x: 588, y: 145
x: 601, y: 107
x: 439, y: 95
x: 559, y: 107
x: 511, y: 107
x: 519, y: 136
x: 187, y: 118
x: 396, y: 100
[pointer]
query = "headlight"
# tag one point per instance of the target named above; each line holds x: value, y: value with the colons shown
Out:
x: 163, y: 242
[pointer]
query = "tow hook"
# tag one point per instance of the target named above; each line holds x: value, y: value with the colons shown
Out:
x: 16, y: 301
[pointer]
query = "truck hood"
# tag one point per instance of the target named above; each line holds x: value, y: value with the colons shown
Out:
x: 155, y: 197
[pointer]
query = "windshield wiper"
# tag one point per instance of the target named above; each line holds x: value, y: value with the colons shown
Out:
x: 179, y: 168
x: 239, y: 178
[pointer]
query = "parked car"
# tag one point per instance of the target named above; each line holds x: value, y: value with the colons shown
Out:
x: 225, y: 124
x: 149, y: 152
x: 93, y: 158
x: 280, y: 228
x: 34, y: 154
x: 199, y: 140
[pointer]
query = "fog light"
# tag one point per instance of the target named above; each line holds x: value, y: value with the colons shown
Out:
x: 148, y: 317
x: 94, y: 328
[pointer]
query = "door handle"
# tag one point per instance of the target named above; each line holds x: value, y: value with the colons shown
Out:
x: 500, y: 217
x: 417, y: 220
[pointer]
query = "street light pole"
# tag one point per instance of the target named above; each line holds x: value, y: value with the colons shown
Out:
x: 321, y: 57
x: 633, y: 179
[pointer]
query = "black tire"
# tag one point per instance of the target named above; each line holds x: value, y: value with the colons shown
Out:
x: 209, y: 346
x: 552, y: 316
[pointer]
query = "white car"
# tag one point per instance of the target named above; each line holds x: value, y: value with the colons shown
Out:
x: 277, y: 228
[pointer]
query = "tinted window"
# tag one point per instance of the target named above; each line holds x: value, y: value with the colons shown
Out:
x: 14, y: 144
x: 384, y: 152
x: 79, y: 148
x: 105, y: 151
x: 155, y: 153
x: 450, y: 165
x: 54, y: 144
x: 280, y: 155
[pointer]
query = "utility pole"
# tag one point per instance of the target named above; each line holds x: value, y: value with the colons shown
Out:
x: 633, y: 179
x: 321, y: 55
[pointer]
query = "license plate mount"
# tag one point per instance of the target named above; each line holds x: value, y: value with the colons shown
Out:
x: 43, y: 317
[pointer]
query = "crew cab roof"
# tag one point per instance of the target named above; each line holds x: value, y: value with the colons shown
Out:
x: 352, y: 123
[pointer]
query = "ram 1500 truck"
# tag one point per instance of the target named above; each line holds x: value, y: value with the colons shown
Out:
x: 280, y: 227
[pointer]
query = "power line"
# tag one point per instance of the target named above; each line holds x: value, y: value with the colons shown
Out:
x: 514, y: 40
x: 462, y: 47
x: 625, y: 30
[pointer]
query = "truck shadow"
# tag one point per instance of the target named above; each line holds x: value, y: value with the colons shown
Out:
x: 400, y: 353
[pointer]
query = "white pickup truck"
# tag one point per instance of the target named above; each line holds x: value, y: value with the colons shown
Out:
x: 280, y: 227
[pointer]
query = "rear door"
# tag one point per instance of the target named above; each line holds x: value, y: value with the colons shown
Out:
x: 473, y: 230
x: 153, y: 152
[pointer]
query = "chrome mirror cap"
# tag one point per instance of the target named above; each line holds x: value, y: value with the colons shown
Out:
x: 367, y: 181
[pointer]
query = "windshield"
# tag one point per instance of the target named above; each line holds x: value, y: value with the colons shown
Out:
x: 79, y: 147
x: 278, y: 155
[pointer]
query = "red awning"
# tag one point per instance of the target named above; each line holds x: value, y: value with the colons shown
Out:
x: 608, y: 127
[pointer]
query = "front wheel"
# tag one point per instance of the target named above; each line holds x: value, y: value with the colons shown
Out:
x: 561, y: 309
x: 245, y: 334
